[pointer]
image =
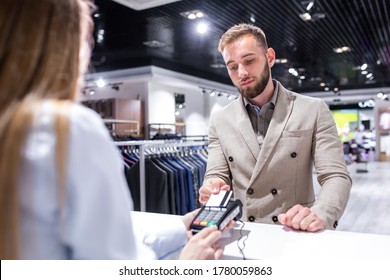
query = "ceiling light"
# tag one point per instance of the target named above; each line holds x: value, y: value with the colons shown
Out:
x: 293, y: 72
x: 342, y: 49
x: 305, y: 16
x: 364, y: 66
x: 191, y: 16
x: 199, y: 14
x: 100, y: 83
x: 316, y: 16
x: 201, y: 28
x: 311, y: 11
x: 154, y: 44
x: 194, y: 14
x: 281, y: 60
x: 217, y: 65
x: 310, y: 5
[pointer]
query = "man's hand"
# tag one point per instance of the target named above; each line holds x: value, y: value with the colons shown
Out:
x: 301, y: 218
x: 211, y: 186
x: 203, y: 245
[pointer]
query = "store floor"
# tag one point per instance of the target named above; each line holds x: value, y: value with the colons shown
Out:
x: 368, y: 209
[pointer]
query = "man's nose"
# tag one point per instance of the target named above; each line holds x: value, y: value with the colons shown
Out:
x: 242, y: 72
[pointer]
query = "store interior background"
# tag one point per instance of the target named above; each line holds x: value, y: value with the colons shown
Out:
x: 147, y: 53
x: 155, y: 70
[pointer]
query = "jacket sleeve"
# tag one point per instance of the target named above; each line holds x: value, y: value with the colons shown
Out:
x: 332, y: 173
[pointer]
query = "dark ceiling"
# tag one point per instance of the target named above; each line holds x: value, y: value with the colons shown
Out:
x: 309, y: 46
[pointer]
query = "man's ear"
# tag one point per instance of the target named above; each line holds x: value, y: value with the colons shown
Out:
x: 271, y: 56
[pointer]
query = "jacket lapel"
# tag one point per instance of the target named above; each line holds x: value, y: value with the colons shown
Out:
x: 245, y: 128
x: 283, y: 109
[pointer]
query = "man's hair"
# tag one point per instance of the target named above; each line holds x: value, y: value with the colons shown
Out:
x: 239, y: 30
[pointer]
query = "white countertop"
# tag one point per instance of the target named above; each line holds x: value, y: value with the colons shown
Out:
x: 266, y: 241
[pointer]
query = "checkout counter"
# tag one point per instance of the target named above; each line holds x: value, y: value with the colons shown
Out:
x: 266, y: 242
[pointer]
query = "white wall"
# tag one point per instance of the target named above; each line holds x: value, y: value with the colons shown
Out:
x: 157, y: 88
x: 162, y: 106
x: 136, y: 91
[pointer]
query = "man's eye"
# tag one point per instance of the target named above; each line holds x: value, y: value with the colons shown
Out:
x: 249, y: 62
x: 232, y: 68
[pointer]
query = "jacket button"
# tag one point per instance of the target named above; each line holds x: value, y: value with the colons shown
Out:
x: 250, y: 191
x: 230, y: 158
x: 251, y: 219
x: 335, y: 224
x: 274, y: 219
x: 274, y: 191
x: 293, y: 154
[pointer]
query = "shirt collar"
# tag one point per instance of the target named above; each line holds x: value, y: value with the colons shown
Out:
x: 272, y: 101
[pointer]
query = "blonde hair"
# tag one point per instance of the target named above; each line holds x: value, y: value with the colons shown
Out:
x: 40, y: 46
x: 242, y: 29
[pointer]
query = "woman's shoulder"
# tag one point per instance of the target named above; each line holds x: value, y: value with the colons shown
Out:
x: 84, y: 116
x: 82, y: 120
x: 85, y: 121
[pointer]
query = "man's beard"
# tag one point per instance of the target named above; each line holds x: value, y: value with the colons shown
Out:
x: 255, y: 90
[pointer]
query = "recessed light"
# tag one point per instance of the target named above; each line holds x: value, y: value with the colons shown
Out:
x: 193, y: 14
x: 281, y: 60
x: 154, y: 44
x: 202, y: 28
x: 342, y: 49
x: 217, y: 65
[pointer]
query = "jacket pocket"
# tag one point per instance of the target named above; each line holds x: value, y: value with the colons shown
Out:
x: 297, y: 133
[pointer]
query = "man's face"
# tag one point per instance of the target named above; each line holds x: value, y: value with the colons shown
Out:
x: 247, y: 65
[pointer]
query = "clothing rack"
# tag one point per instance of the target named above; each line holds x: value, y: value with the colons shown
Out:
x: 143, y: 145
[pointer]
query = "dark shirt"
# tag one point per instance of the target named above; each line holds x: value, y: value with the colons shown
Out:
x: 261, y: 117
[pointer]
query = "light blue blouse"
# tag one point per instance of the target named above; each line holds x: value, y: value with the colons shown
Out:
x: 94, y: 222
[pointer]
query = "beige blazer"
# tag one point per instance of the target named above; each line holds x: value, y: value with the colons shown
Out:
x: 271, y: 179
